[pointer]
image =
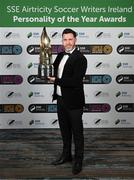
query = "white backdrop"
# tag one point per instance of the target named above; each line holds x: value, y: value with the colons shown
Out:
x: 15, y: 99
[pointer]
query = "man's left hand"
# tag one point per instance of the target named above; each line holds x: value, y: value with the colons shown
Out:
x: 51, y: 79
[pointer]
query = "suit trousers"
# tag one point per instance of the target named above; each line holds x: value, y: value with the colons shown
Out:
x: 71, y: 125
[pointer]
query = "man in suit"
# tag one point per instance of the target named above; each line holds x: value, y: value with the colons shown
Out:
x: 69, y: 69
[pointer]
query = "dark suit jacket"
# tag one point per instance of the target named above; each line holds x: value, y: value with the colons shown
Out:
x: 71, y: 82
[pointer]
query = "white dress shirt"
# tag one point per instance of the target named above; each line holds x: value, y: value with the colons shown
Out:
x: 60, y: 70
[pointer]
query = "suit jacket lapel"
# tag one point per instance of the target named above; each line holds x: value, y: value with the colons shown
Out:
x: 71, y: 56
x: 59, y: 58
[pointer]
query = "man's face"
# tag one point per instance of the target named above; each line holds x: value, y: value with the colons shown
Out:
x: 68, y: 41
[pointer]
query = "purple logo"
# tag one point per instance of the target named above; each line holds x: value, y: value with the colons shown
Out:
x: 10, y: 79
x: 97, y: 107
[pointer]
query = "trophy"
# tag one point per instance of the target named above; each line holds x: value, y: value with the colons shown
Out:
x: 45, y: 67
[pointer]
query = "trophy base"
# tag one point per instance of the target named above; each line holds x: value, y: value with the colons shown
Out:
x: 44, y: 71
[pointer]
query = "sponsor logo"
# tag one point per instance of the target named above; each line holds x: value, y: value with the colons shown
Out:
x: 34, y: 65
x: 11, y: 34
x: 125, y: 49
x: 124, y: 107
x: 120, y: 35
x: 11, y: 65
x: 11, y: 108
x: 10, y: 122
x: 122, y: 122
x: 97, y: 79
x: 55, y: 35
x: 118, y: 94
x: 100, y: 121
x: 13, y: 122
x: 43, y: 108
x: 82, y: 35
x: 10, y: 79
x: 119, y: 65
x: 101, y: 94
x: 117, y: 121
x: 95, y: 49
x: 101, y: 34
x: 10, y: 49
x: 125, y: 79
x: 54, y: 122
x: 33, y: 79
x: 125, y: 35
x: 35, y: 94
x: 29, y: 65
x: 100, y: 65
x: 97, y: 108
x: 12, y: 94
x: 33, y: 49
x: 36, y: 122
x: 122, y: 94
x: 8, y: 34
x: 97, y: 121
x: 33, y: 34
x: 124, y: 65
x: 29, y: 35
x: 30, y: 94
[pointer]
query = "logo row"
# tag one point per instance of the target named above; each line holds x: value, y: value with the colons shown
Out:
x: 54, y: 122
x: 85, y: 49
x: 88, y: 79
x: 96, y: 94
x: 52, y: 108
x: 11, y: 65
x: 58, y: 35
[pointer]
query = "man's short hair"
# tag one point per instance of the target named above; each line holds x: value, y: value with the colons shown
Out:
x: 66, y: 31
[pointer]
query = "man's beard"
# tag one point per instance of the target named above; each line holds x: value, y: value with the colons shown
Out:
x: 69, y: 49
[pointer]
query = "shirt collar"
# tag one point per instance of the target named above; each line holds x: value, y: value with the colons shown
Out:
x: 70, y: 52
